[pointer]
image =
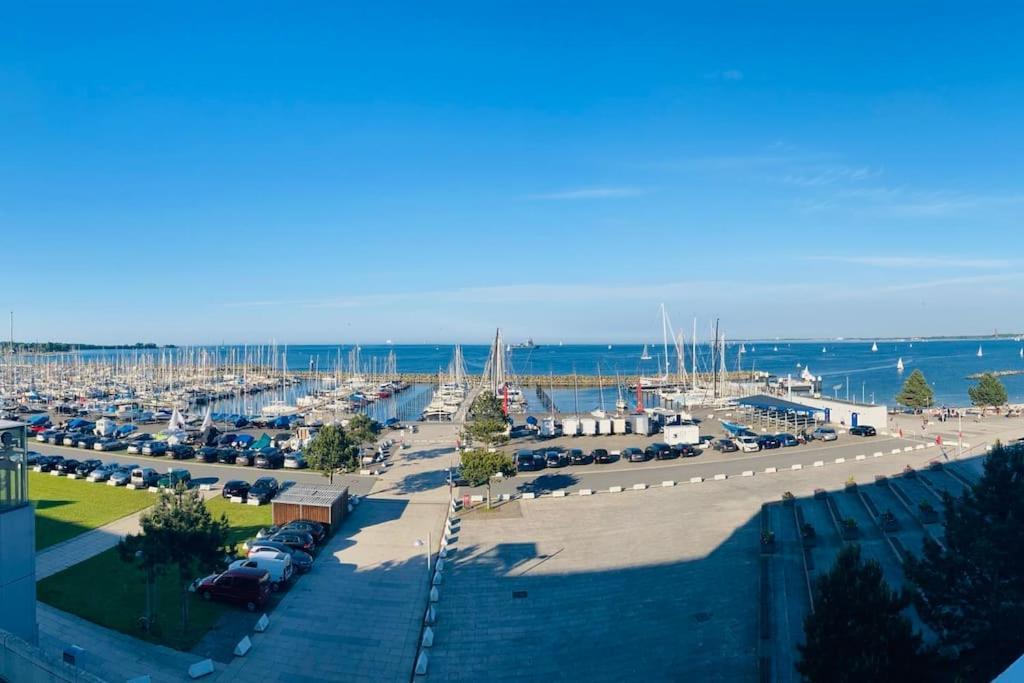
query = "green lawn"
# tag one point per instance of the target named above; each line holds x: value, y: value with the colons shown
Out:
x: 111, y: 593
x: 68, y: 507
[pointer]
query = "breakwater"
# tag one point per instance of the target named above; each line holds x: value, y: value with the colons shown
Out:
x: 566, y: 381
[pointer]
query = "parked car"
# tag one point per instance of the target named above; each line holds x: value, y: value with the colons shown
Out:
x: 685, y: 450
x: 632, y: 454
x: 747, y: 444
x: 235, y: 487
x: 725, y: 446
x: 294, y: 461
x: 181, y: 451
x: 246, y: 458
x: 109, y: 445
x: 144, y: 477
x: 659, y: 451
x: 243, y: 441
x: 269, y: 458
x: 68, y: 466
x: 555, y: 459
x: 768, y: 442
x: 155, y: 448
x: 56, y: 437
x: 863, y: 430
x: 226, y: 455
x: 87, y: 466
x: 48, y: 463
x: 295, y: 539
x: 786, y: 440
x: 208, y: 454
x: 824, y: 434
x: 44, y: 436
x: 227, y: 440
x: 577, y: 456
x: 455, y: 477
x: 31, y: 458
x: 263, y: 489
x: 315, y: 529
x: 278, y: 565
x: 526, y: 461
x: 174, y: 477
x: 70, y: 439
x: 601, y: 456
x: 87, y: 441
x: 244, y: 586
x: 123, y: 475
x: 135, y: 447
x: 103, y: 472
x: 301, y: 560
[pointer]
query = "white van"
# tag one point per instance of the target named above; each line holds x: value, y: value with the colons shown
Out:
x: 278, y: 564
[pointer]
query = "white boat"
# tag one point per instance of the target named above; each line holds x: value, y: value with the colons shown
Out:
x: 646, y: 355
x: 824, y: 350
x: 874, y: 347
x: 899, y: 365
x: 609, y: 347
x: 743, y: 349
x: 775, y: 348
x: 980, y: 354
x: 1022, y: 353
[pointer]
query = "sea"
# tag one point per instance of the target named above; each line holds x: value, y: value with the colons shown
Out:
x: 848, y: 369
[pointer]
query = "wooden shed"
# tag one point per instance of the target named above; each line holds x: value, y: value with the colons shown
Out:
x: 317, y: 502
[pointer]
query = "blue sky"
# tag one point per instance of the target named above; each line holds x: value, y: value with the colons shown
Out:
x: 428, y: 171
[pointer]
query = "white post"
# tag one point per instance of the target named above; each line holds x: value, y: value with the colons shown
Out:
x: 429, y: 546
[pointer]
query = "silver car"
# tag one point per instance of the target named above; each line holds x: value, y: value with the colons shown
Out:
x: 825, y: 434
x: 103, y: 472
x: 122, y: 476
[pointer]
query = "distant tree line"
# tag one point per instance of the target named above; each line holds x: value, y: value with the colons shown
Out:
x: 64, y: 347
x: 969, y: 591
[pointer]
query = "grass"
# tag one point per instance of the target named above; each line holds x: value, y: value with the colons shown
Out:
x: 66, y: 508
x: 111, y: 593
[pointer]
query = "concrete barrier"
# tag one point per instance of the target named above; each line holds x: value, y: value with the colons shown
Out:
x: 201, y: 668
x: 422, y: 662
x: 907, y: 449
x: 895, y: 451
x: 205, y: 487
x: 839, y: 461
x: 111, y: 482
x: 696, y: 480
x: 366, y: 473
x: 877, y: 454
x: 861, y: 457
x: 797, y: 466
x: 443, y: 552
x: 476, y: 498
x: 919, y: 447
x: 428, y: 637
x: 438, y: 578
x: 262, y: 624
x: 558, y: 494
x: 748, y: 473
x: 639, y: 487
x: 667, y: 484
x: 154, y: 489
x: 243, y: 647
x: 253, y: 501
x: 434, y: 594
x: 586, y: 492
x: 819, y: 463
x: 72, y: 475
x: 439, y: 565
x: 430, y: 616
x: 720, y: 477
x: 529, y: 495
x: 235, y: 499
x: 614, y: 489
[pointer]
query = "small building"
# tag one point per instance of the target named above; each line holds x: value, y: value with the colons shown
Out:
x: 17, y: 538
x: 322, y: 503
x: 846, y: 413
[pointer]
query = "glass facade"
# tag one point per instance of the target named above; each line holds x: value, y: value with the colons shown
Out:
x: 13, y: 466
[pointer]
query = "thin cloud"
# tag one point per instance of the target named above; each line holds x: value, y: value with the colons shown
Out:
x: 831, y: 175
x: 726, y: 75
x: 591, y: 193
x: 917, y: 261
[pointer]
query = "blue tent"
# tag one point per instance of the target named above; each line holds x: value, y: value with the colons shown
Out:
x: 124, y: 430
x: 39, y: 420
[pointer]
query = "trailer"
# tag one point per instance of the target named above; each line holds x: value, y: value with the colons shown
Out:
x: 682, y: 434
x: 588, y: 426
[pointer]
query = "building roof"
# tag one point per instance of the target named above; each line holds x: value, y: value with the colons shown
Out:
x: 778, y: 405
x: 322, y: 495
x: 10, y: 424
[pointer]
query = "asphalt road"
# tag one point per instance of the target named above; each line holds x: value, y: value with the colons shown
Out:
x: 706, y: 465
x: 208, y: 473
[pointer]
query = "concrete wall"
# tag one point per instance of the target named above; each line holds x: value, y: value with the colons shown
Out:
x: 18, y: 573
x: 842, y: 411
x: 21, y: 662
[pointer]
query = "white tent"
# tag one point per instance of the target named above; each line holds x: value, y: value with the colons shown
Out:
x: 207, y: 421
x: 176, y: 422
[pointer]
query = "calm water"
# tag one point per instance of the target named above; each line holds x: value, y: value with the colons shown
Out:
x: 852, y: 364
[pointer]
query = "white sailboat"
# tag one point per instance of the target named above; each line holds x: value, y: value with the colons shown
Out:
x: 824, y: 350
x: 1022, y: 353
x: 775, y: 348
x: 980, y: 354
x: 646, y: 355
x: 743, y: 348
x: 899, y: 365
x: 874, y: 347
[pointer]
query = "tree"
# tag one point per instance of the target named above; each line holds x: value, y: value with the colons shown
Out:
x: 178, y: 532
x: 330, y: 450
x: 361, y: 429
x: 970, y: 591
x: 478, y: 466
x: 487, y: 431
x: 916, y: 393
x: 487, y: 406
x: 989, y: 391
x: 857, y: 631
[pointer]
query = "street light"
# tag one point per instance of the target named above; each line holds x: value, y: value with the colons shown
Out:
x: 418, y: 543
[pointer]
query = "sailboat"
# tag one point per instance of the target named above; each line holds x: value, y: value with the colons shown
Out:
x: 753, y: 349
x: 743, y: 348
x: 899, y: 365
x: 823, y: 350
x: 609, y: 347
x: 874, y: 347
x: 1022, y: 353
x: 980, y: 354
x: 775, y: 348
x: 646, y: 355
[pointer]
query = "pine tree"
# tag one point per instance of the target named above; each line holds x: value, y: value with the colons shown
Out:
x: 916, y: 393
x: 989, y: 391
x: 478, y: 466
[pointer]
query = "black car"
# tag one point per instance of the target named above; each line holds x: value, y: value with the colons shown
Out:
x: 48, y: 463
x: 455, y: 477
x: 863, y: 430
x: 32, y: 458
x: 634, y: 455
x: 68, y: 466
x: 227, y: 439
x: 87, y: 466
x: 235, y: 487
x: 556, y: 459
x: 208, y: 454
x: 56, y: 438
x: 767, y: 441
x: 787, y: 440
x: 227, y: 456
x: 302, y: 560
x: 659, y: 451
x: 315, y: 529
x: 578, y: 457
x: 264, y: 489
x: 181, y: 452
x: 519, y: 431
x: 601, y: 456
x: 725, y: 446
x: 299, y: 540
x: 246, y: 458
x: 685, y: 450
x: 269, y: 458
x: 527, y: 461
x: 87, y: 441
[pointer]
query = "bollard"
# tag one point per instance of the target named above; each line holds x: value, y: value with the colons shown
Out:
x: 434, y: 594
x: 840, y: 461
x: 428, y: 637
x: 747, y: 473
x: 201, y: 668
x: 770, y: 470
x: 431, y: 615
x: 877, y: 454
x: 243, y: 647
x: 639, y: 487
x: 819, y: 463
x: 421, y: 663
x: 696, y: 480
x: 586, y: 492
x: 262, y: 624
x: 667, y: 484
x: 797, y: 467
x: 720, y: 477
x: 614, y: 489
x: 558, y: 494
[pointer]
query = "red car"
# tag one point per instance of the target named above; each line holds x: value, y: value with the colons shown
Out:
x: 244, y: 586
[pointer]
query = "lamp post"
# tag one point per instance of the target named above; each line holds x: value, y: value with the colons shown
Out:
x: 418, y: 543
